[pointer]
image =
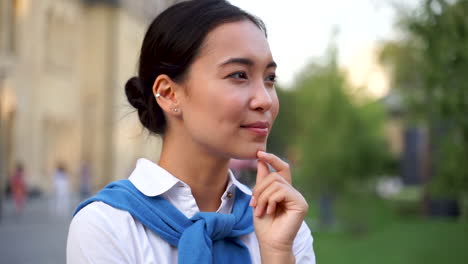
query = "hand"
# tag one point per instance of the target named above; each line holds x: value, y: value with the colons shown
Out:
x: 279, y: 209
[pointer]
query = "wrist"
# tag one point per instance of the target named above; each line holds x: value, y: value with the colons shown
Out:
x: 275, y: 246
x: 273, y: 256
x: 276, y: 253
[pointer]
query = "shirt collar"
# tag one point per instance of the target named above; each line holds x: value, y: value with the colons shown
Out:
x: 152, y: 180
x: 235, y: 182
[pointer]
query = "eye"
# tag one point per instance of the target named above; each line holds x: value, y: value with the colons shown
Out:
x: 238, y: 75
x: 271, y: 78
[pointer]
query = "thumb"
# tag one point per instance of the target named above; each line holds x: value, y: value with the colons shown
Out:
x: 262, y: 171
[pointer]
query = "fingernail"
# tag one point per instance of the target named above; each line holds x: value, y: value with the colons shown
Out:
x: 268, y: 210
x: 261, y: 152
x: 253, y: 202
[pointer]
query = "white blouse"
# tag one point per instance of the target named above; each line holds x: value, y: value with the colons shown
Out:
x: 102, y: 234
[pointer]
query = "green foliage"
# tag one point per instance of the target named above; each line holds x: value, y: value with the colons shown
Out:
x: 451, y: 178
x: 338, y: 142
x: 429, y: 67
x: 285, y: 124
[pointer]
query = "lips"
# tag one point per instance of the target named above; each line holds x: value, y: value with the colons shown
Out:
x: 258, y: 124
x: 259, y: 127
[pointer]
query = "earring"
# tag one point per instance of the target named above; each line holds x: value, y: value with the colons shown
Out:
x: 157, y: 95
x: 175, y: 110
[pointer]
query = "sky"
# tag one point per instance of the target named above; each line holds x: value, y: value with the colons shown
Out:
x: 299, y: 32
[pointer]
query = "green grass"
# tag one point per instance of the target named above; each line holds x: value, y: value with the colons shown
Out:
x: 371, y: 230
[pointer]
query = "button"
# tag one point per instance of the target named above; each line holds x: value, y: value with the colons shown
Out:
x: 229, y: 195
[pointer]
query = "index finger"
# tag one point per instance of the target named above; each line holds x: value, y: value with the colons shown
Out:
x: 278, y: 164
x: 262, y: 171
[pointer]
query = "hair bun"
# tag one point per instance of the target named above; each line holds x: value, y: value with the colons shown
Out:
x: 135, y: 95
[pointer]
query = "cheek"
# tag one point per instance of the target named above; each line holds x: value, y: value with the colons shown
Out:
x: 233, y: 106
x: 221, y: 110
x: 274, y: 107
x: 230, y: 101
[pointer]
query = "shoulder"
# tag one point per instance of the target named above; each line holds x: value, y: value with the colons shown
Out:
x: 98, y: 218
x: 99, y: 214
x: 100, y: 233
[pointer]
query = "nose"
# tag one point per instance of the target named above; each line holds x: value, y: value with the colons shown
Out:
x: 262, y: 97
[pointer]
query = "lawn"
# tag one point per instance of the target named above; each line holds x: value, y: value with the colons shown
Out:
x: 371, y: 230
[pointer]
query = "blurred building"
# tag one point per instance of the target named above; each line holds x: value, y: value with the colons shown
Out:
x: 63, y: 67
x: 370, y: 79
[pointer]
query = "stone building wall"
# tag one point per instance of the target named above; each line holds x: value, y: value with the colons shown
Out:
x: 63, y: 67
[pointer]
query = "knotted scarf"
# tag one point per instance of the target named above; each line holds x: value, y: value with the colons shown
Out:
x: 207, y: 237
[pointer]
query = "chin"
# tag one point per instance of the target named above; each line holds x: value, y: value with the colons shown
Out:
x: 249, y: 152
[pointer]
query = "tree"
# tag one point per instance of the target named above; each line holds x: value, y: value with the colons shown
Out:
x: 429, y: 67
x: 285, y: 125
x: 339, y: 142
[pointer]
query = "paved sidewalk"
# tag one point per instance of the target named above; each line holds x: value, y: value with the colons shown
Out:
x: 37, y: 236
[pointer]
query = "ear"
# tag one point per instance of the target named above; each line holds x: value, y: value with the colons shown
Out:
x: 166, y: 93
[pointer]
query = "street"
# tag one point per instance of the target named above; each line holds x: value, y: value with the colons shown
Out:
x: 37, y: 236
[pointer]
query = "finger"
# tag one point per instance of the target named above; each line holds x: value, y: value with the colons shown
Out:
x: 262, y: 171
x: 261, y: 186
x: 275, y: 199
x: 278, y: 164
x: 271, y: 209
x: 264, y: 197
x: 253, y: 201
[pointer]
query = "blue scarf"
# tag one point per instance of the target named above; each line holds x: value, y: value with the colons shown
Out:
x: 207, y: 237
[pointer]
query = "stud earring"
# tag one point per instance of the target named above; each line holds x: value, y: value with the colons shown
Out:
x: 157, y: 95
x: 175, y: 110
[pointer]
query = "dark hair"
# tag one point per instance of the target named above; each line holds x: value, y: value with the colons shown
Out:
x: 171, y: 43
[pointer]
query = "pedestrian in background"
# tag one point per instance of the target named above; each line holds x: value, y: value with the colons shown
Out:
x: 61, y: 193
x: 85, y: 179
x: 18, y: 188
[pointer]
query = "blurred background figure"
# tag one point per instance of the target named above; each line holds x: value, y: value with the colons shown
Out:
x: 61, y: 192
x: 18, y: 188
x: 85, y: 179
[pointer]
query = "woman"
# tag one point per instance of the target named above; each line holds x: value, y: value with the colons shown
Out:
x: 206, y: 85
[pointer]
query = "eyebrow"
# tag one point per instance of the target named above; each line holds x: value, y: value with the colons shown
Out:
x: 244, y: 61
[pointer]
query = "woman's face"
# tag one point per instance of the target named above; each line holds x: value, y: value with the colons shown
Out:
x: 231, y: 103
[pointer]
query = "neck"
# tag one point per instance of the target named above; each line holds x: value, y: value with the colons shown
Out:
x: 204, y: 172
